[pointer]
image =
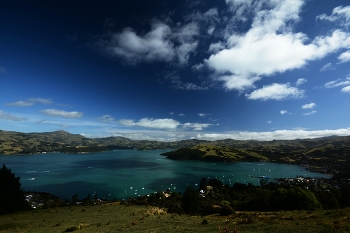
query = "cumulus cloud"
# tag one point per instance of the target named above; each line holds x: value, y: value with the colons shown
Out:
x: 238, y: 82
x: 270, y: 46
x: 162, y: 44
x: 277, y: 135
x: 8, y: 116
x: 30, y: 102
x: 328, y: 66
x: 309, y: 113
x: 344, y: 57
x: 276, y: 91
x: 165, y: 123
x: 61, y: 113
x: 346, y: 89
x: 308, y: 106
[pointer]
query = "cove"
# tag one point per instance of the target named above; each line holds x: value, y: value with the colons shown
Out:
x: 130, y: 173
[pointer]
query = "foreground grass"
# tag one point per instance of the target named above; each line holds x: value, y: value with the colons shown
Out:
x: 120, y: 218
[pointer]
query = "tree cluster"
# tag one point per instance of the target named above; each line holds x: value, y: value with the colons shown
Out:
x: 213, y: 197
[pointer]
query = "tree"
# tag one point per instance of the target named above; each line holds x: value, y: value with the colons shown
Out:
x: 301, y: 199
x: 11, y: 195
x: 278, y: 199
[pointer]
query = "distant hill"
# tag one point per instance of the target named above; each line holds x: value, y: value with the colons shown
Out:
x: 62, y: 141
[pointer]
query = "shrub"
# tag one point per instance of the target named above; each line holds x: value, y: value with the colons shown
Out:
x: 226, y: 210
x: 205, y: 222
x: 71, y: 229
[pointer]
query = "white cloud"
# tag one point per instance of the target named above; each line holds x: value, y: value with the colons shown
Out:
x: 216, y: 47
x: 277, y: 135
x: 107, y: 118
x: 181, y: 114
x: 61, y: 113
x: 309, y: 113
x: 344, y: 57
x: 163, y: 124
x: 337, y: 83
x: 346, y: 89
x: 339, y: 14
x: 300, y: 81
x: 242, y: 8
x: 284, y: 112
x: 269, y: 46
x: 207, y: 20
x: 211, y: 30
x: 196, y: 126
x: 162, y: 43
x: 328, y: 66
x: 30, y: 102
x: 152, y: 123
x: 211, y: 15
x: 269, y: 122
x: 155, y: 45
x: 238, y: 82
x: 8, y: 116
x: 276, y: 91
x: 308, y: 106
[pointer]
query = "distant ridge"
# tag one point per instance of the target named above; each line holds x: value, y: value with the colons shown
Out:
x: 62, y: 141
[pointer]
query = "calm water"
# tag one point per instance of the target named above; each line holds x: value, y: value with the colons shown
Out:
x: 123, y: 173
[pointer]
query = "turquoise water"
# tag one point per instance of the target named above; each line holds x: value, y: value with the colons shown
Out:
x: 123, y: 173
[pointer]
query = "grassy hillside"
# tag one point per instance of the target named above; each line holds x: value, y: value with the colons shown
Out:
x: 62, y: 141
x: 208, y: 152
x: 121, y: 218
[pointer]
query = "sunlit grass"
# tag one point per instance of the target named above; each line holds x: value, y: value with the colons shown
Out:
x: 121, y: 218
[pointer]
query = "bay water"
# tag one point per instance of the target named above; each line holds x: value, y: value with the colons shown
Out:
x: 130, y: 173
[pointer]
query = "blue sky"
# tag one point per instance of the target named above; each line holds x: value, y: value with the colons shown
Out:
x: 174, y: 70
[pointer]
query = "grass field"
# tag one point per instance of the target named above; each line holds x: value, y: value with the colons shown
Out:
x: 121, y: 218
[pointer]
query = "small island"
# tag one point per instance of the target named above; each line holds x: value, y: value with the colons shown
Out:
x: 207, y: 152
